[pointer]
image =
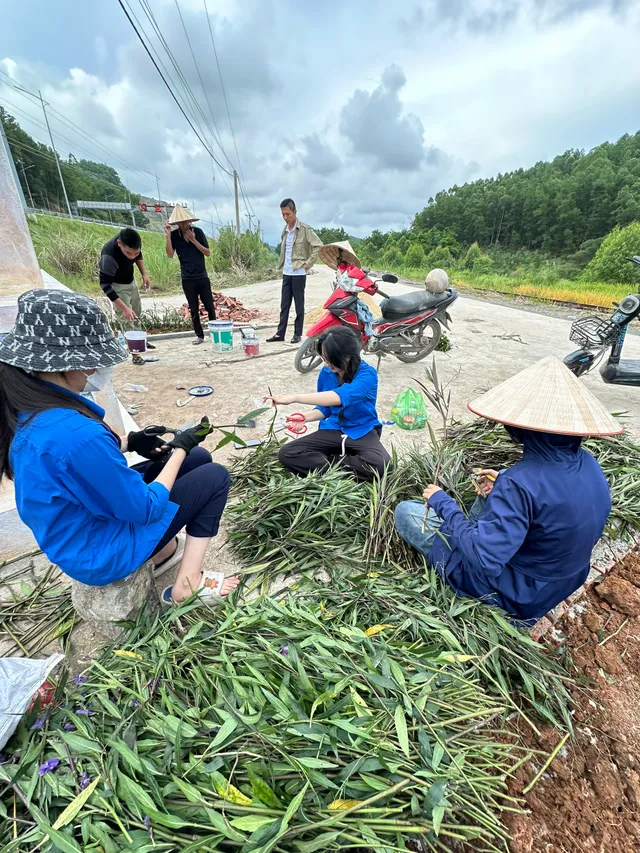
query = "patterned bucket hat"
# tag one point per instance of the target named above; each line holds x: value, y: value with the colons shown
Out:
x: 57, y: 330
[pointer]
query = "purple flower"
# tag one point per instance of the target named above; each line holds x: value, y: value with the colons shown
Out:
x: 146, y: 821
x: 283, y: 650
x: 39, y: 723
x: 136, y: 703
x: 3, y: 758
x: 85, y: 712
x: 85, y: 780
x: 69, y: 727
x: 80, y: 679
x: 49, y: 764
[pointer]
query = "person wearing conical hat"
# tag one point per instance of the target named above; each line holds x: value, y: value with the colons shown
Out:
x: 526, y: 544
x: 191, y: 246
x: 299, y: 246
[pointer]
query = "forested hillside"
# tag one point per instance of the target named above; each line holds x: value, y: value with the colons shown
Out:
x: 554, y: 206
x: 85, y: 180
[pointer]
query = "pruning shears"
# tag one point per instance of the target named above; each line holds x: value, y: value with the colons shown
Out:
x: 476, y: 485
x: 156, y: 430
x: 295, y: 423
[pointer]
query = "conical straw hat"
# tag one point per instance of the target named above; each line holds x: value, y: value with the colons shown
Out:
x: 329, y: 254
x: 546, y: 397
x: 181, y: 214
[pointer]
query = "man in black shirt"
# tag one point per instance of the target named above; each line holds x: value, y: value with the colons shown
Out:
x: 117, y: 259
x: 192, y: 248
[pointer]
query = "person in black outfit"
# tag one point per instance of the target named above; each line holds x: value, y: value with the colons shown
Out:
x: 191, y: 246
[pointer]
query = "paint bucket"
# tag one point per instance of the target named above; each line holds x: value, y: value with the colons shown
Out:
x: 221, y: 332
x: 251, y: 347
x: 136, y: 341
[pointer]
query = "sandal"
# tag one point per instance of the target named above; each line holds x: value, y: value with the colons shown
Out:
x: 209, y: 591
x: 173, y: 560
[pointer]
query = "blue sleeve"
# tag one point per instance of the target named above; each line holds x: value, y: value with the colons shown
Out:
x: 363, y: 388
x: 500, y: 532
x: 96, y: 474
x: 321, y: 385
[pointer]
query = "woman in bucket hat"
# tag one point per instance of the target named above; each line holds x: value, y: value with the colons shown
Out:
x: 92, y: 515
x: 527, y: 543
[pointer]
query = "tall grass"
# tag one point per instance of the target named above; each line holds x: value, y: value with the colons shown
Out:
x: 70, y: 251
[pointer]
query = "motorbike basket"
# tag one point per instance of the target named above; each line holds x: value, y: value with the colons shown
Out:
x: 589, y: 332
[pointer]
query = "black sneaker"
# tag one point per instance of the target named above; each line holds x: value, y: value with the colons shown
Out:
x: 275, y: 340
x: 150, y: 346
x: 296, y: 339
x: 197, y: 342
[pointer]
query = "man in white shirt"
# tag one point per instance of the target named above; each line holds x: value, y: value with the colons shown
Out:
x: 298, y: 253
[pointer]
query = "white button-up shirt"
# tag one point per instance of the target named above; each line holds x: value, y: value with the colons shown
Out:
x: 288, y: 268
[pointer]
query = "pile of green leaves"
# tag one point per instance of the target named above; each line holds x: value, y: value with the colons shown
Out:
x: 281, y: 524
x: 292, y: 726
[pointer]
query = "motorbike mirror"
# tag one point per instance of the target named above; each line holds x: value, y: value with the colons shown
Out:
x: 634, y: 259
x: 392, y: 279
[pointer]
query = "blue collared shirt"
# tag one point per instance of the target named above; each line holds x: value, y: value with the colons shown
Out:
x: 90, y: 513
x: 357, y: 415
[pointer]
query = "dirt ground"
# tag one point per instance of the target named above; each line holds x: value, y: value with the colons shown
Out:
x: 589, y: 799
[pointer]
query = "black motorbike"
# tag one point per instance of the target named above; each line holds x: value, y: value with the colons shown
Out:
x: 595, y: 335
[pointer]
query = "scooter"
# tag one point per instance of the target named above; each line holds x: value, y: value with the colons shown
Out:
x: 594, y: 335
x: 409, y: 329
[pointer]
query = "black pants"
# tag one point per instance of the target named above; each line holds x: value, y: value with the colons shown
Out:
x: 194, y: 288
x: 200, y: 490
x: 292, y: 288
x: 363, y: 456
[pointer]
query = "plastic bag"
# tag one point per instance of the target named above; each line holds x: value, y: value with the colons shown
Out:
x: 20, y: 678
x: 409, y: 411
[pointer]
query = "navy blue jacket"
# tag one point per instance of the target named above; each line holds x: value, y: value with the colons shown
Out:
x: 532, y: 546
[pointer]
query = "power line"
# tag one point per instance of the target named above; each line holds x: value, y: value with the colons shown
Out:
x: 224, y: 94
x: 178, y: 104
x: 190, y: 97
x: 76, y: 128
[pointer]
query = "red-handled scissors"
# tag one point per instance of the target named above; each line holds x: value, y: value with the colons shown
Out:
x: 296, y: 423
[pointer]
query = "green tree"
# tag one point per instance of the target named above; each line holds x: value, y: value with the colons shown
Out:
x: 482, y: 265
x: 440, y: 257
x: 610, y: 264
x: 392, y: 258
x: 473, y: 253
x: 415, y: 256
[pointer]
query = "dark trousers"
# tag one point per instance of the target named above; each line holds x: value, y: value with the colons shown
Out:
x: 292, y: 289
x: 194, y: 288
x: 363, y: 456
x: 200, y: 490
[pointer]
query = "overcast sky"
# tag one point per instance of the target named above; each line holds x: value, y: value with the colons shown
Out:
x: 359, y: 110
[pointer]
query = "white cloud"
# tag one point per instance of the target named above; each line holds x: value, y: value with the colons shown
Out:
x: 359, y: 114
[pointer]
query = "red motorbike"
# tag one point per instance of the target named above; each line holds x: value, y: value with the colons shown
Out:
x: 409, y: 329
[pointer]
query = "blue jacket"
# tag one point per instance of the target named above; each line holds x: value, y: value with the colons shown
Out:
x: 92, y: 516
x: 357, y: 415
x: 532, y: 546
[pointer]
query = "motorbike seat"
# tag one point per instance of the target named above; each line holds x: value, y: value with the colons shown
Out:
x: 412, y: 303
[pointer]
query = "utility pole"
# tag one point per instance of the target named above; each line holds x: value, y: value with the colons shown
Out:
x: 158, y: 186
x: 235, y: 192
x: 249, y: 217
x: 55, y: 154
x: 258, y: 228
x: 12, y: 165
x: 24, y: 175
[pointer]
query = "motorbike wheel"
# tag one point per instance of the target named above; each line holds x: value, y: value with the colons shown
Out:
x: 307, y: 357
x: 426, y: 341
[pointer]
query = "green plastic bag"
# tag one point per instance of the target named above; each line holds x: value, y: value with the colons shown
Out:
x: 409, y: 411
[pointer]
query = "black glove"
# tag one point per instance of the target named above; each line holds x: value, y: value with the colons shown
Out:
x: 148, y: 446
x: 192, y: 437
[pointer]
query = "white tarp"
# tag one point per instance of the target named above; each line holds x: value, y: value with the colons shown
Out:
x: 20, y: 678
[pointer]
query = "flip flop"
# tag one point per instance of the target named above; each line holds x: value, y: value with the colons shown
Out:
x: 173, y: 560
x: 209, y: 591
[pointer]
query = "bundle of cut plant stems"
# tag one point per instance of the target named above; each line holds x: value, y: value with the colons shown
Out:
x: 291, y: 726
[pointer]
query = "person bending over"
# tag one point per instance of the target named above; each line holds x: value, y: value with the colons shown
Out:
x: 93, y: 516
x: 527, y: 542
x: 348, y: 425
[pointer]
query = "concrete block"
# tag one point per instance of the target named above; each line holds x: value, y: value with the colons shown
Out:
x: 103, y: 606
